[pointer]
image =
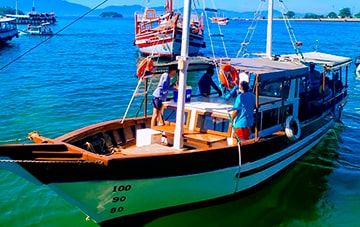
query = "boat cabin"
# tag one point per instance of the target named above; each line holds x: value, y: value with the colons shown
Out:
x: 325, y: 85
x: 207, y: 122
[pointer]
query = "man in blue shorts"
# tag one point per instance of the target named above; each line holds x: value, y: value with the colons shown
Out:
x: 161, y: 93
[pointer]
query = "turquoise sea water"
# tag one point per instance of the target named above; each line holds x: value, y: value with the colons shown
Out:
x: 86, y: 74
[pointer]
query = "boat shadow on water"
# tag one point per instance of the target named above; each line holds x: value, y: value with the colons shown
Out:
x: 296, y: 195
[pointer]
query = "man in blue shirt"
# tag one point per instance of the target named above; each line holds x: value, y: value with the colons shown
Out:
x: 243, y: 112
x: 161, y: 93
x: 206, y: 81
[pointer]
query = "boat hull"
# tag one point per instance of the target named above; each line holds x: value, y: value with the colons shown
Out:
x: 25, y: 32
x: 8, y: 30
x: 154, y: 186
x: 8, y: 35
x: 168, y: 44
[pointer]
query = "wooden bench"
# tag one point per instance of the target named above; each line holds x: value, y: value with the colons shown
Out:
x: 193, y: 138
x: 205, y: 139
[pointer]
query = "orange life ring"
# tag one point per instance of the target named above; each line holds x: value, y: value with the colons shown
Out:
x: 150, y: 14
x: 228, y: 76
x: 146, y: 64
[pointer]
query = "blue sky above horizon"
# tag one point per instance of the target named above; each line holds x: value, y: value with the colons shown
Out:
x: 303, y: 6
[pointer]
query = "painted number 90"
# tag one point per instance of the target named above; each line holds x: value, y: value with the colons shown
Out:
x: 119, y: 199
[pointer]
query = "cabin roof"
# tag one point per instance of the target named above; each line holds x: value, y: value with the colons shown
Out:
x: 6, y: 19
x: 329, y: 61
x: 269, y: 69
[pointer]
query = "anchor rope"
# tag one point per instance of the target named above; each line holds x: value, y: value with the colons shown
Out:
x: 14, y: 140
x: 239, y: 152
x: 35, y: 161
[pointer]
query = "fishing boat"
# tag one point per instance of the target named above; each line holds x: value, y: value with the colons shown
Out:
x: 125, y: 172
x: 42, y: 30
x: 160, y: 35
x: 220, y: 20
x: 33, y: 17
x: 8, y: 29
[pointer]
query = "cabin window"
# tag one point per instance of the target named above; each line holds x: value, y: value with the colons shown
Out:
x: 169, y: 115
x: 213, y: 123
x: 273, y: 116
x: 275, y: 89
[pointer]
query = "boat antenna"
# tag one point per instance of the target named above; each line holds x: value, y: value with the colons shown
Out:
x: 269, y: 30
x: 16, y: 8
x: 49, y: 37
x: 33, y: 7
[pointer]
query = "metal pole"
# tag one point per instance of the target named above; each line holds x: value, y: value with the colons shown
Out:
x: 182, y: 66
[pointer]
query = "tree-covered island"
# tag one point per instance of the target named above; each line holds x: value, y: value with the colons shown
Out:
x: 111, y: 14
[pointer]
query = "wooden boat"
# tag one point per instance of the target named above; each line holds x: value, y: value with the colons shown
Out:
x: 42, y: 30
x: 8, y: 29
x: 160, y: 35
x: 220, y: 20
x: 124, y: 172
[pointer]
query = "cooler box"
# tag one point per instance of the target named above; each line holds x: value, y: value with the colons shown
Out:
x: 187, y: 94
x: 147, y: 136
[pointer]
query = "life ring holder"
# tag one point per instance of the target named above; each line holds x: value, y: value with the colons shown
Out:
x: 337, y: 112
x: 145, y: 65
x: 292, y: 128
x: 228, y: 76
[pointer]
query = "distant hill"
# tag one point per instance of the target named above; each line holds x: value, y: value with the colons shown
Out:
x: 64, y: 8
x: 59, y: 7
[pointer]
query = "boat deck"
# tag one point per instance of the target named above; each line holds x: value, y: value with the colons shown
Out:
x: 149, y: 149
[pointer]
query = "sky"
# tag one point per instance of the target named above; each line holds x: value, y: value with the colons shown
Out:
x: 298, y: 6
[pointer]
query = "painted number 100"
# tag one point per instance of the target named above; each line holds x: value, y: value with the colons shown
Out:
x: 121, y: 188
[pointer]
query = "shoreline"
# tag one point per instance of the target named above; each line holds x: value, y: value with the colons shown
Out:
x: 310, y: 19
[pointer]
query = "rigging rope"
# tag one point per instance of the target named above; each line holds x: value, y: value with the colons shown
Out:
x: 49, y: 37
x: 213, y: 9
x: 251, y: 30
x: 294, y: 42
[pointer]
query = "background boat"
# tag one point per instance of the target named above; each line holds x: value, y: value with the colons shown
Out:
x: 330, y: 168
x: 33, y: 17
x: 42, y: 29
x: 220, y: 20
x: 159, y: 33
x: 8, y: 29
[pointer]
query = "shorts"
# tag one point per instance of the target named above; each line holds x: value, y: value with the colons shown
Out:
x: 242, y: 133
x: 157, y: 103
